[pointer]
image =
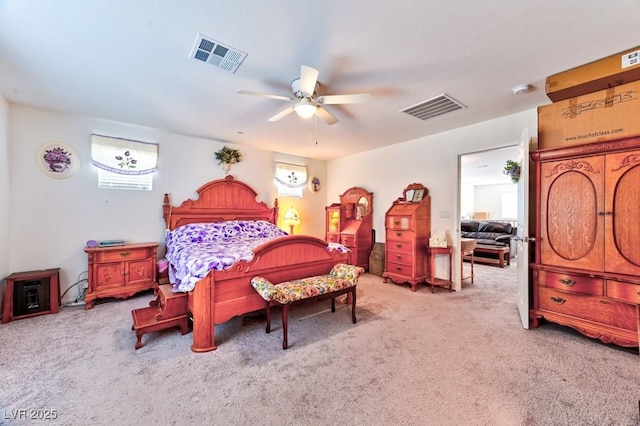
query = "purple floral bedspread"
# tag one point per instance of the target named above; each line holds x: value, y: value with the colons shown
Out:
x: 195, y: 249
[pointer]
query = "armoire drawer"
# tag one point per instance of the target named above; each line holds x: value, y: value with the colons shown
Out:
x: 598, y: 309
x: 626, y: 292
x: 571, y: 283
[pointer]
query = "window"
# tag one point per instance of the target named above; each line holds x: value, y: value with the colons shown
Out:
x: 290, y: 179
x: 124, y: 163
x: 509, y: 205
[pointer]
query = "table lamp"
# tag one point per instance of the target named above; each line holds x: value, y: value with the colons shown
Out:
x: 291, y: 219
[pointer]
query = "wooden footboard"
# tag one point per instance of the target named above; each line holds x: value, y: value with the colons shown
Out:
x: 223, y: 295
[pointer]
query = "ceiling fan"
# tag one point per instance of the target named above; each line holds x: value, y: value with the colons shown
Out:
x: 308, y: 102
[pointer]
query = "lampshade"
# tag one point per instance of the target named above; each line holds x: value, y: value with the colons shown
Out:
x: 305, y: 108
x: 291, y: 218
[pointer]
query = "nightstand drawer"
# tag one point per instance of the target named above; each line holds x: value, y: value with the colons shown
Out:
x: 123, y: 254
x: 572, y: 283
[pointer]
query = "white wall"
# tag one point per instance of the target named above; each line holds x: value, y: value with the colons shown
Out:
x: 4, y: 195
x: 488, y: 198
x: 431, y: 161
x: 51, y: 219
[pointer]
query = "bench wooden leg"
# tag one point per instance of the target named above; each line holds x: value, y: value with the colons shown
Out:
x: 353, y: 305
x: 285, y: 326
x: 333, y: 304
x: 268, y: 330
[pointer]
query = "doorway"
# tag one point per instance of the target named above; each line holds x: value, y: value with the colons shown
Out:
x: 487, y: 194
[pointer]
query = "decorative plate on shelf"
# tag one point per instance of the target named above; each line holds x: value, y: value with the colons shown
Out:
x: 57, y: 160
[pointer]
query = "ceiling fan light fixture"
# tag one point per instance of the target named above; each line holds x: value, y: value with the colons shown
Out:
x: 305, y: 109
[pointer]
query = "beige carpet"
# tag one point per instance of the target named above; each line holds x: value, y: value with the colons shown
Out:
x: 412, y: 359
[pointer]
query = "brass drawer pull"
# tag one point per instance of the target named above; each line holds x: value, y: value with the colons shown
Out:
x: 567, y: 282
x: 398, y: 234
x: 557, y: 300
x: 398, y: 268
x: 125, y: 253
x: 398, y: 256
x: 399, y: 245
x: 604, y: 301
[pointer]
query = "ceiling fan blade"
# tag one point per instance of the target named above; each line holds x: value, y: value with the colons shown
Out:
x: 326, y: 116
x: 282, y: 114
x: 344, y: 99
x: 308, y: 79
x: 265, y: 95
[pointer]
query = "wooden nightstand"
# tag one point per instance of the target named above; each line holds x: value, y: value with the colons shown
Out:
x: 120, y: 271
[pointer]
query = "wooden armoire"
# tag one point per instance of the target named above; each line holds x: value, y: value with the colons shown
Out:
x: 349, y: 223
x: 407, y: 232
x: 586, y: 273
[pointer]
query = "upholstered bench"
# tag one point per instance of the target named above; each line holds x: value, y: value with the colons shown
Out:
x: 342, y: 279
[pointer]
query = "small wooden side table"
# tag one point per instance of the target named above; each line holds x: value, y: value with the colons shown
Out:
x: 433, y: 281
x: 467, y: 247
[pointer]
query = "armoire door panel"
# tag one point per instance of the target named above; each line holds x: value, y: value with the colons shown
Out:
x: 623, y: 208
x: 572, y: 232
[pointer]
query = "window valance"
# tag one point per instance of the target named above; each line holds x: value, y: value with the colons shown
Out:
x: 124, y: 156
x: 291, y: 175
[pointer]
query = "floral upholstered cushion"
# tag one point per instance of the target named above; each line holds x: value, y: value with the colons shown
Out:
x: 347, y: 272
x: 341, y: 276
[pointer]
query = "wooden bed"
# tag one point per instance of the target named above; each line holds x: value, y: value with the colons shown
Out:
x: 222, y: 295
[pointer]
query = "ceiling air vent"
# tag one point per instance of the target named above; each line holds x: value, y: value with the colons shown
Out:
x: 434, y: 107
x: 212, y: 52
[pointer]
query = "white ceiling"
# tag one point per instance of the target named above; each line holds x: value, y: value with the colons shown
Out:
x: 129, y: 61
x: 486, y: 167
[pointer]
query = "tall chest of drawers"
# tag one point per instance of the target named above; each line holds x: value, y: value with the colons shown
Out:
x: 407, y: 231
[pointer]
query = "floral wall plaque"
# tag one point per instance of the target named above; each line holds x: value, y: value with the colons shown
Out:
x: 57, y: 160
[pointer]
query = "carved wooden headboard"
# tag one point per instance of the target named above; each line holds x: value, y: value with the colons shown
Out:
x: 217, y: 201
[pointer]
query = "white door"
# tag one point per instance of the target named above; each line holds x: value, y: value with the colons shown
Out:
x: 523, y: 229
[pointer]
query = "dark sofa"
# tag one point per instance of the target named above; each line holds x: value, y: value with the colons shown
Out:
x: 490, y: 233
